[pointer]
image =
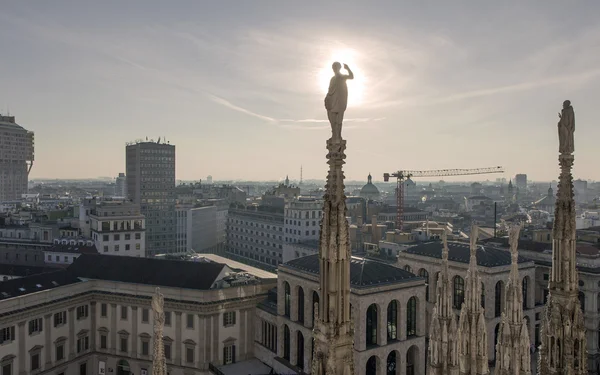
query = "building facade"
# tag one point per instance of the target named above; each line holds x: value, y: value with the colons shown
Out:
x: 121, y: 186
x: 118, y: 228
x: 387, y: 306
x: 96, y: 315
x: 16, y: 158
x: 150, y: 170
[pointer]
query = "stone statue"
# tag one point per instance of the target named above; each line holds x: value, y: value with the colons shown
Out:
x: 336, y: 100
x: 566, y: 129
x: 158, y: 309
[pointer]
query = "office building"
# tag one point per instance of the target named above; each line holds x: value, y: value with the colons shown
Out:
x: 16, y: 158
x: 150, y: 170
x: 121, y: 186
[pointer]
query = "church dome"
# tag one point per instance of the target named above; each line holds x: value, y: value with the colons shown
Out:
x: 369, y: 191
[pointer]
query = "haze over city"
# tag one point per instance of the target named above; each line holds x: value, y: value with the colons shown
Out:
x: 239, y: 89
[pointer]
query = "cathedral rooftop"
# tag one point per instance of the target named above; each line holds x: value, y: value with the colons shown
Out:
x: 460, y: 252
x: 364, y: 272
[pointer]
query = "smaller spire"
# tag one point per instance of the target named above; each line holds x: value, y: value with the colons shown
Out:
x: 369, y: 178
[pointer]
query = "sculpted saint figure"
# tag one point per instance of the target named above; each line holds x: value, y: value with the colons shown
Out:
x: 157, y: 308
x: 336, y: 100
x: 566, y: 129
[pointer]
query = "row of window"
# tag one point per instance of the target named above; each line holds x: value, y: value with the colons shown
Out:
x: 36, y: 325
x: 127, y: 247
x: 117, y: 237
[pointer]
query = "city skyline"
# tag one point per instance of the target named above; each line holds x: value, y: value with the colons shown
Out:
x: 241, y: 92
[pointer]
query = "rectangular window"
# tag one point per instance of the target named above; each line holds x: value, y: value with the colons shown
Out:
x: 104, y: 310
x: 83, y: 343
x: 116, y: 247
x: 167, y: 318
x: 138, y: 246
x: 229, y: 318
x: 124, y: 312
x: 7, y: 334
x: 124, y: 344
x: 105, y: 237
x: 117, y: 237
x: 229, y: 354
x: 546, y: 276
x: 145, y: 347
x: 82, y: 312
x: 167, y: 351
x: 127, y: 237
x: 190, y: 321
x: 145, y: 316
x: 60, y: 352
x: 127, y: 246
x: 106, y: 248
x: 7, y: 369
x: 103, y: 341
x: 35, y: 361
x: 60, y: 318
x: 138, y: 236
x: 189, y: 355
x: 35, y: 326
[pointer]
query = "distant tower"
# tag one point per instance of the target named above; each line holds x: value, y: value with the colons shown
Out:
x: 287, y: 181
x: 209, y: 180
x: 564, y: 345
x: 443, y: 333
x: 16, y: 158
x: 513, y: 355
x: 121, y: 186
x: 472, y: 333
x: 150, y: 170
x: 300, y: 176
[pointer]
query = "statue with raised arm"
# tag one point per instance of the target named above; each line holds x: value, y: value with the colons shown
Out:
x: 566, y: 129
x: 336, y: 100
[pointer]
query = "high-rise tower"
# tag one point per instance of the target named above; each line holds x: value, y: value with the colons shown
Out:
x: 150, y: 170
x: 513, y: 347
x: 564, y: 346
x: 443, y: 333
x: 16, y: 158
x: 472, y: 333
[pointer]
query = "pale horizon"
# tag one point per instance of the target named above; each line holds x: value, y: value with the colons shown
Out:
x: 238, y: 87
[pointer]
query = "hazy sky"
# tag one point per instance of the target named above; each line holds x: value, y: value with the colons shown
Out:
x: 238, y: 86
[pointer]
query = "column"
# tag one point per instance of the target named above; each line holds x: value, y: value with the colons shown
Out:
x: 250, y: 314
x: 293, y: 346
x: 202, y: 357
x: 294, y: 303
x: 381, y: 324
x: 134, y: 331
x: 48, y: 340
x: 308, y: 309
x: 207, y: 341
x: 178, y: 341
x: 93, y: 326
x: 401, y: 362
x: 113, y: 328
x: 308, y: 352
x: 22, y: 348
x: 402, y: 321
x: 280, y: 340
x: 382, y: 365
x: 215, y: 338
x: 71, y: 320
x: 280, y: 297
x: 360, y: 327
x: 243, y: 338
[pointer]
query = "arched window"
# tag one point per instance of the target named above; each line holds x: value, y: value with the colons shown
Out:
x: 525, y: 286
x: 482, y: 295
x: 424, y: 274
x: 498, y: 298
x: 496, y: 337
x: 287, y: 298
x: 582, y: 301
x: 407, y: 268
x: 391, y: 363
x: 300, y: 305
x: 411, y: 317
x: 459, y: 292
x: 392, y: 319
x: 300, y: 350
x: 371, y: 366
x: 411, y: 360
x: 315, y: 300
x: 372, y: 325
x: 286, y: 342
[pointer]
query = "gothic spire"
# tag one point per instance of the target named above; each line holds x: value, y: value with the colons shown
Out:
x: 563, y: 349
x: 472, y: 333
x: 443, y: 345
x: 513, y: 346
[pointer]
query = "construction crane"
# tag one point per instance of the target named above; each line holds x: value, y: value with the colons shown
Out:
x: 402, y: 175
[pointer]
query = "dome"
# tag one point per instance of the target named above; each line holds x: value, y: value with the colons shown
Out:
x: 369, y: 191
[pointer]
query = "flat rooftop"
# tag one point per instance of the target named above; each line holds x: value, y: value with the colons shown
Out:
x: 262, y: 274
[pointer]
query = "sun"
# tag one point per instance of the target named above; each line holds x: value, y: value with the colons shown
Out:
x: 356, y: 86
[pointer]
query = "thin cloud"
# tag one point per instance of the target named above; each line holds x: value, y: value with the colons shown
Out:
x: 310, y: 120
x: 230, y: 105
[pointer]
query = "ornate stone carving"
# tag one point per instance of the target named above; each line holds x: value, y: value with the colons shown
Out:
x: 336, y: 100
x: 159, y: 363
x: 566, y: 129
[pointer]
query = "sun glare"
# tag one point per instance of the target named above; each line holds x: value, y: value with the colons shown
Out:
x: 355, y: 86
